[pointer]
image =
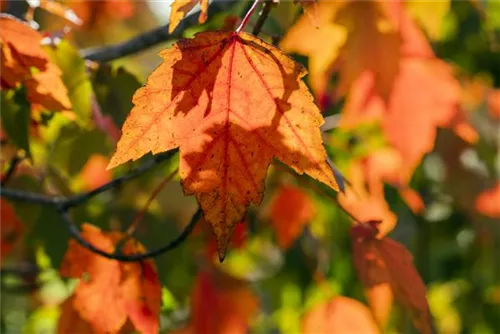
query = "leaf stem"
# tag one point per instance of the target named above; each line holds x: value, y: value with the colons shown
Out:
x: 264, y: 13
x: 247, y: 16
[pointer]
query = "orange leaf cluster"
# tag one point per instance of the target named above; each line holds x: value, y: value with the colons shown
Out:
x: 388, y: 73
x: 383, y: 263
x: 24, y: 61
x: 180, y: 8
x: 231, y: 103
x: 220, y: 305
x: 11, y: 228
x: 291, y: 209
x: 340, y: 315
x: 111, y: 295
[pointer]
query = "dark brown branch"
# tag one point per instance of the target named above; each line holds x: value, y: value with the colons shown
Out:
x: 63, y: 204
x: 12, y: 169
x: 263, y: 15
x: 66, y: 203
x: 75, y: 233
x: 152, y: 37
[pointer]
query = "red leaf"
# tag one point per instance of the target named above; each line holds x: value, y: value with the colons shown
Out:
x: 291, y: 209
x: 220, y: 305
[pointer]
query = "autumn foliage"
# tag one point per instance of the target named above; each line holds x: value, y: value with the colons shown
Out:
x: 280, y: 166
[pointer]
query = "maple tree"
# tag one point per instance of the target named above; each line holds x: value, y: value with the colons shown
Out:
x: 306, y: 166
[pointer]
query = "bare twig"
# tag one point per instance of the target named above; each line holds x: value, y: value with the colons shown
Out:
x: 63, y: 204
x: 67, y: 203
x: 264, y: 13
x: 152, y: 37
x: 75, y: 233
x: 12, y: 169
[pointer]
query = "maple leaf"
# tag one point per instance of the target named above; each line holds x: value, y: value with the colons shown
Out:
x: 323, y: 48
x: 220, y: 305
x: 231, y: 103
x: 25, y: 61
x: 488, y: 202
x: 179, y: 9
x: 389, y: 73
x: 11, y: 228
x: 382, y: 261
x: 291, y: 209
x: 110, y: 292
x: 340, y: 315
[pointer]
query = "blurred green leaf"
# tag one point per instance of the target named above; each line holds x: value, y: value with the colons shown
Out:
x: 16, y: 118
x: 75, y: 78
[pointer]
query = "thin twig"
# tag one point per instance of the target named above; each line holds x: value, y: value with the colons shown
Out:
x: 66, y: 203
x: 152, y: 37
x: 63, y: 204
x: 133, y: 225
x: 79, y: 199
x: 263, y: 15
x: 12, y: 169
x: 75, y: 233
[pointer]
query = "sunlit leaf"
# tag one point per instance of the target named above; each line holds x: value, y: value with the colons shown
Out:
x: 180, y: 8
x: 231, y: 103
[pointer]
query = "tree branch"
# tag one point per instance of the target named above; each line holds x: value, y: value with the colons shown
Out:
x: 75, y: 233
x: 152, y: 37
x: 66, y: 203
x: 63, y: 204
x: 264, y: 13
x: 12, y: 169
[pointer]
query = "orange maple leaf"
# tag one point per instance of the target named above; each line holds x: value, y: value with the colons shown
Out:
x: 11, y: 228
x: 340, y: 315
x: 231, y: 103
x: 291, y: 209
x: 220, y: 305
x: 382, y: 261
x: 25, y: 61
x: 110, y: 292
x: 388, y: 73
x: 488, y: 202
x: 179, y: 9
